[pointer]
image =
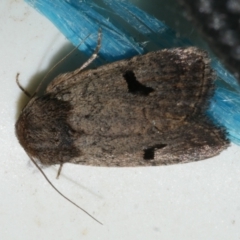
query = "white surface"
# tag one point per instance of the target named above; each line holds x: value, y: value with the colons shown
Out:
x: 192, y: 201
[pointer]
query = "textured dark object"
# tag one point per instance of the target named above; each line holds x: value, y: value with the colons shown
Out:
x: 145, y: 111
x: 219, y: 21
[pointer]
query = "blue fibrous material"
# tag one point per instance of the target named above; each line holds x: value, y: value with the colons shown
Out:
x: 80, y: 20
x: 224, y: 109
x: 122, y: 23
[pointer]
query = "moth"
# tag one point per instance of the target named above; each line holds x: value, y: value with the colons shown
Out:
x: 145, y: 111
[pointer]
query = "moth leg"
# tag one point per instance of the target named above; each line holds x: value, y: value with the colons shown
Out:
x: 21, y: 87
x: 59, y: 171
x: 94, y: 55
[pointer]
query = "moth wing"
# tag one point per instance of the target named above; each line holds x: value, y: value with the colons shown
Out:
x: 192, y: 142
x: 195, y: 141
x: 148, y: 110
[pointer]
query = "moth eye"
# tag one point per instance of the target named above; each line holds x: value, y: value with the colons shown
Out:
x: 149, y: 152
x: 134, y: 86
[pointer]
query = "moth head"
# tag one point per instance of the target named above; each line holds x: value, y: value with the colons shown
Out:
x: 43, y: 130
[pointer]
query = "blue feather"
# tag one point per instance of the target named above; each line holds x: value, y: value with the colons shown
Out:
x: 79, y: 19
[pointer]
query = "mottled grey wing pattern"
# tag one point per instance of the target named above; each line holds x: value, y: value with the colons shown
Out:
x: 148, y: 110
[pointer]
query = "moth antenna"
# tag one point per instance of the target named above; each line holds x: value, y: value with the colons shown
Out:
x: 93, y: 57
x: 45, y: 176
x: 39, y: 86
x: 89, y: 61
x: 32, y: 95
x: 21, y: 87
